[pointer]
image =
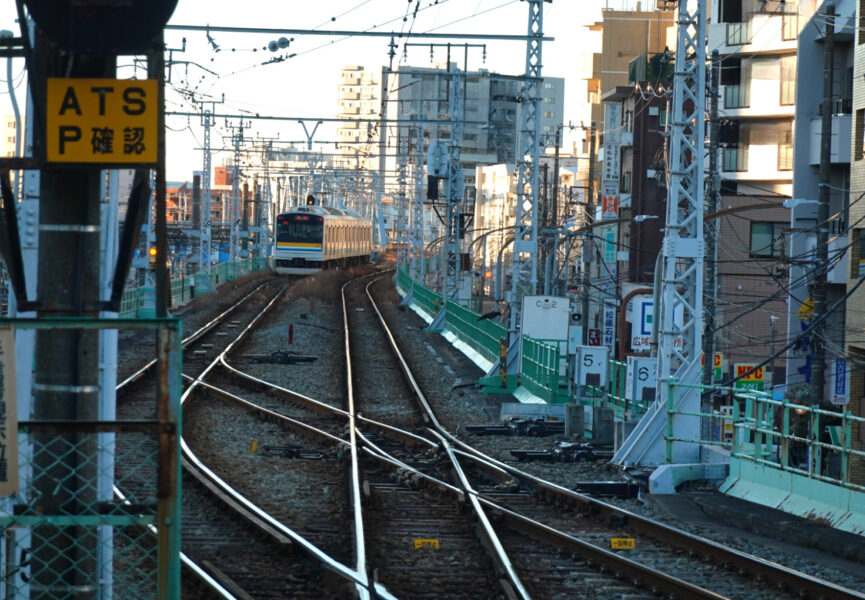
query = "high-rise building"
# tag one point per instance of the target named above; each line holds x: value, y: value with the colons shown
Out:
x: 358, y: 99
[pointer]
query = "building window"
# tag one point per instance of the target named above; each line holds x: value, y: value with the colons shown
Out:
x: 767, y: 239
x: 625, y: 186
x: 858, y: 130
x: 788, y: 80
x: 785, y: 147
x: 549, y: 85
x: 789, y: 26
x: 548, y: 100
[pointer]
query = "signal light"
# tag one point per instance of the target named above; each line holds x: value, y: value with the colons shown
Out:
x: 151, y: 257
x: 488, y: 274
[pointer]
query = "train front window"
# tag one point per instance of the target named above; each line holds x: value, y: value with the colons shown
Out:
x: 299, y: 228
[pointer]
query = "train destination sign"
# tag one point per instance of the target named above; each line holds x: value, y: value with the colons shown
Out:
x: 102, y: 121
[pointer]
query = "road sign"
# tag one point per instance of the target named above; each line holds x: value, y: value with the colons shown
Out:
x: 592, y: 365
x: 752, y: 381
x: 641, y: 376
x: 102, y: 121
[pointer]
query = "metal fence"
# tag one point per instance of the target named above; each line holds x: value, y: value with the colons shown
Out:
x: 541, y: 370
x: 70, y: 535
x: 136, y: 302
x: 482, y: 335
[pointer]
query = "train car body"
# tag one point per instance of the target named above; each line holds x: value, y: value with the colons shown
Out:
x: 312, y: 238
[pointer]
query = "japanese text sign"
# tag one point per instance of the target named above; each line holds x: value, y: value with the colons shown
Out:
x: 102, y: 121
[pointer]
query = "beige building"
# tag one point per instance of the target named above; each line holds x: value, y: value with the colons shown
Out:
x: 7, y: 135
x: 625, y: 34
x: 358, y: 97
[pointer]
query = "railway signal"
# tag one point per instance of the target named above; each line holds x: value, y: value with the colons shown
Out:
x: 151, y: 258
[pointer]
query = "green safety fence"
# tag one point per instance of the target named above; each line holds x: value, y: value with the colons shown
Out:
x: 138, y: 302
x: 482, y: 335
x: 540, y: 371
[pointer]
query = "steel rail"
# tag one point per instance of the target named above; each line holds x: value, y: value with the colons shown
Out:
x: 193, y: 464
x: 194, y: 336
x: 755, y: 565
x: 487, y: 532
x: 634, y: 573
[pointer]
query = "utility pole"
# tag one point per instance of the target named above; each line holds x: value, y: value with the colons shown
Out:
x: 234, y: 211
x: 712, y: 193
x: 204, y: 224
x: 821, y: 254
x: 587, y: 249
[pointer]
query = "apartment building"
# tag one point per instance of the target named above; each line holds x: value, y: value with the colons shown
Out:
x: 358, y: 97
x: 623, y: 35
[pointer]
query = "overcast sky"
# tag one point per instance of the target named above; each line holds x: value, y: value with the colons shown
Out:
x: 305, y: 85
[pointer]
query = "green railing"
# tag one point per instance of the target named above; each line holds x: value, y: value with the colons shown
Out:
x: 135, y: 301
x: 540, y: 370
x: 805, y: 440
x: 482, y: 335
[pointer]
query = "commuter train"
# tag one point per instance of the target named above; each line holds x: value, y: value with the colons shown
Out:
x: 312, y: 238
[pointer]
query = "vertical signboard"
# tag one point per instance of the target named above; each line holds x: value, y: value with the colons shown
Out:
x: 839, y: 383
x: 609, y: 329
x: 8, y: 415
x: 612, y: 168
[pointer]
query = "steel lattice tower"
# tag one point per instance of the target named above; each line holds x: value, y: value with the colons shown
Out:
x: 401, y: 196
x: 204, y: 256
x: 525, y: 254
x: 681, y: 311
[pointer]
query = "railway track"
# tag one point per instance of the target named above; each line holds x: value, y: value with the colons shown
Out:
x: 529, y: 518
x: 232, y: 547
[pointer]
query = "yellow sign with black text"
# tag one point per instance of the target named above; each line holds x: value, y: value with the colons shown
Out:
x: 622, y: 543
x: 426, y: 543
x: 102, y: 121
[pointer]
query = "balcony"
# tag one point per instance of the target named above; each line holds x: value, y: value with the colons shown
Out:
x: 763, y: 98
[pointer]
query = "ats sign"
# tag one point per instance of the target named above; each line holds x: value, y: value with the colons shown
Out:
x: 102, y: 121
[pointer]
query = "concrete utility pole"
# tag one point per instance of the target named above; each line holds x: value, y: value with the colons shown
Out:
x: 821, y: 254
x: 680, y: 341
x: 713, y: 185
